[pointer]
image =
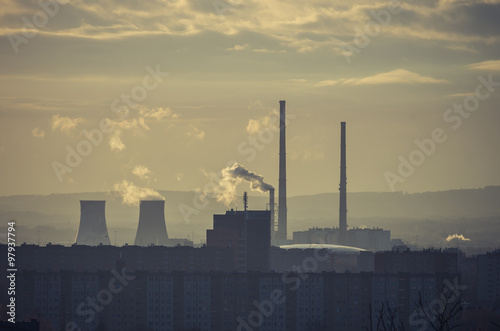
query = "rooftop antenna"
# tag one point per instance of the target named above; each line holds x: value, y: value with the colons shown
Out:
x: 245, y: 201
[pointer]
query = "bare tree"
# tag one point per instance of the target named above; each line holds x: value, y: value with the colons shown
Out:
x: 445, y: 318
x: 386, y: 319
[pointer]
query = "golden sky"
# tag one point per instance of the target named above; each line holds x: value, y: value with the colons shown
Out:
x: 171, y: 92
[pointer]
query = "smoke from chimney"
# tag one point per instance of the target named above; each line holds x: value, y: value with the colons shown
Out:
x: 234, y: 175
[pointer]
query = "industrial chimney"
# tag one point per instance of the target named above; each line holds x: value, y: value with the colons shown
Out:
x: 92, y: 230
x: 282, y: 231
x: 152, y: 228
x: 343, y: 188
x: 271, y: 209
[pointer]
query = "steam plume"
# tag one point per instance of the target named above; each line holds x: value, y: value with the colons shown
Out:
x: 457, y: 236
x: 232, y: 176
x: 131, y: 195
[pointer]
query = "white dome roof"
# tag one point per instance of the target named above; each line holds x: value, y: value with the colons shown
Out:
x: 334, y: 248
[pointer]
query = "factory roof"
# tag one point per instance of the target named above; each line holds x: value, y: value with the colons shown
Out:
x: 334, y: 248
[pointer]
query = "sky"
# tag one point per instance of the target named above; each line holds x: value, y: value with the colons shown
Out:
x: 165, y: 94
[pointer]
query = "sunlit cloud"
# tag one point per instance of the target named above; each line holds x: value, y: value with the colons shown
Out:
x: 398, y: 76
x: 158, y: 113
x: 393, y: 77
x: 493, y: 65
x: 65, y: 124
x: 142, y: 172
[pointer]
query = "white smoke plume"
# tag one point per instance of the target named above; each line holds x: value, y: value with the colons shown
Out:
x: 132, y: 195
x: 457, y: 236
x: 233, y: 176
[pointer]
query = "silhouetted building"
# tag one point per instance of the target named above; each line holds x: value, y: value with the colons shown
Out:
x: 320, y: 258
x: 248, y: 233
x: 121, y: 300
x: 488, y: 278
x: 370, y: 239
x: 426, y: 261
x: 151, y: 258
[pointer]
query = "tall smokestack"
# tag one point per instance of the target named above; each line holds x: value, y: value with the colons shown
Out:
x: 152, y: 228
x: 282, y: 232
x: 343, y: 188
x: 92, y: 230
x: 271, y: 208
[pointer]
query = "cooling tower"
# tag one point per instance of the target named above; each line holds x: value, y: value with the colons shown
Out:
x: 152, y: 228
x: 92, y: 230
x: 343, y: 188
x: 282, y: 232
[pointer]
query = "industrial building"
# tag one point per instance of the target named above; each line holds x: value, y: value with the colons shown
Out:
x: 248, y: 233
x: 370, y: 239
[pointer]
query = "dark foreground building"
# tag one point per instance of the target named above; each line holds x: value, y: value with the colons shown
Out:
x: 248, y: 234
x: 121, y: 300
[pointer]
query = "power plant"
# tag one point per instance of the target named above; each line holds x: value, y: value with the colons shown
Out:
x: 152, y: 229
x: 371, y: 239
x: 92, y: 230
x: 282, y: 213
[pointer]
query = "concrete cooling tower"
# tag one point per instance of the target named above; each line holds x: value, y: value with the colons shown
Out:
x: 92, y: 230
x: 152, y: 228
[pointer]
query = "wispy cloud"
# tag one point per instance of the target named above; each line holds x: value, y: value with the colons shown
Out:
x: 38, y: 133
x: 493, y: 65
x: 65, y: 124
x: 398, y: 76
x: 195, y: 133
x: 158, y: 113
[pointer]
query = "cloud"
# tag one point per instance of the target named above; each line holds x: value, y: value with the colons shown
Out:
x: 459, y: 95
x: 327, y: 83
x: 157, y: 113
x: 195, y: 133
x: 65, y: 124
x: 493, y: 65
x: 398, y: 76
x: 142, y: 172
x: 457, y: 237
x: 115, y: 139
x: 238, y: 48
x: 132, y: 195
x: 38, y: 133
x: 255, y: 126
